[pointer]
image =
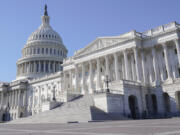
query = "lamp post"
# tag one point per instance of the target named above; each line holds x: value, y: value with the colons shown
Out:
x: 107, y: 84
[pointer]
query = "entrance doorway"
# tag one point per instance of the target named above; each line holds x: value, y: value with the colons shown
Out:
x: 178, y: 99
x: 4, y: 117
x: 166, y: 102
x: 133, y: 106
x: 21, y: 115
x: 154, y: 104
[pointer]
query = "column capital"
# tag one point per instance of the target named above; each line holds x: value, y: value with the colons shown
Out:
x: 115, y: 54
x: 90, y: 61
x: 135, y: 48
x: 164, y: 45
x: 106, y: 56
x: 176, y: 41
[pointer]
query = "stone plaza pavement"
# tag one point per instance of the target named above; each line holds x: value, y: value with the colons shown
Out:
x: 128, y: 127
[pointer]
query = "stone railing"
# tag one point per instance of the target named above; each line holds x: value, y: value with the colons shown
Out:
x: 110, y: 91
x: 129, y: 82
x: 160, y: 29
x: 67, y: 60
x: 46, y: 77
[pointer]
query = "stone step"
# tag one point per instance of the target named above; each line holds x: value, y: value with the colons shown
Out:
x: 81, y: 109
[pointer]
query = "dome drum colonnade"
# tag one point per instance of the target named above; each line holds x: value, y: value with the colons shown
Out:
x: 43, y: 53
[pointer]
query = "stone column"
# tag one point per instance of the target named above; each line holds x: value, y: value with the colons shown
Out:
x: 13, y: 98
x: 53, y: 66
x: 39, y: 70
x: 17, y: 72
x: 10, y: 99
x: 83, y: 78
x: 98, y: 74
x: 49, y: 66
x: 107, y: 65
x: 15, y: 101
x: 155, y: 66
x: 34, y: 67
x: 116, y: 65
x: 65, y: 85
x: 143, y: 67
x: 178, y: 49
x: 19, y: 94
x: 27, y: 67
x: 137, y: 63
x: 2, y: 98
x: 90, y: 78
x: 39, y: 96
x: 22, y: 68
x: 24, y: 98
x: 165, y: 50
x: 31, y: 67
x: 70, y: 79
x: 133, y: 68
x: 44, y: 66
x: 76, y: 78
x: 126, y: 65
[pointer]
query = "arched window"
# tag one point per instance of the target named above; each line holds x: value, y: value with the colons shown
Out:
x: 54, y: 51
x: 38, y: 51
x: 46, y: 50
x: 46, y: 66
x: 37, y: 64
x: 31, y: 51
x: 42, y: 66
x: 61, y: 52
x: 34, y: 51
x: 50, y: 51
x: 42, y: 50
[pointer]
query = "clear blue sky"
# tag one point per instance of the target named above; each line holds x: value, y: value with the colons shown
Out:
x: 78, y: 22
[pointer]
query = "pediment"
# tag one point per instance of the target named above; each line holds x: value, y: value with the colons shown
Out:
x: 100, y: 43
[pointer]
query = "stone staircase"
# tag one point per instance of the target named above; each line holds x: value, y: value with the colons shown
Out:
x: 79, y: 110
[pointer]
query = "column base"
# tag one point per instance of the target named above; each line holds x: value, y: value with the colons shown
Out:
x: 83, y: 92
x: 168, y: 80
x: 91, y: 91
x: 156, y: 83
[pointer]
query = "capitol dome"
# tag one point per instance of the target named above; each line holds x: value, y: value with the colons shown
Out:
x: 45, y: 32
x: 43, y: 53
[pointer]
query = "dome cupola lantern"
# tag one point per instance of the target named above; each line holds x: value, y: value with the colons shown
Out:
x: 45, y: 17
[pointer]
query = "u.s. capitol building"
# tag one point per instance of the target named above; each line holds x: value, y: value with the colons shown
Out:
x: 133, y: 75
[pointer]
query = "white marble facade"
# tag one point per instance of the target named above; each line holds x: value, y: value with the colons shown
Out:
x: 143, y: 68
